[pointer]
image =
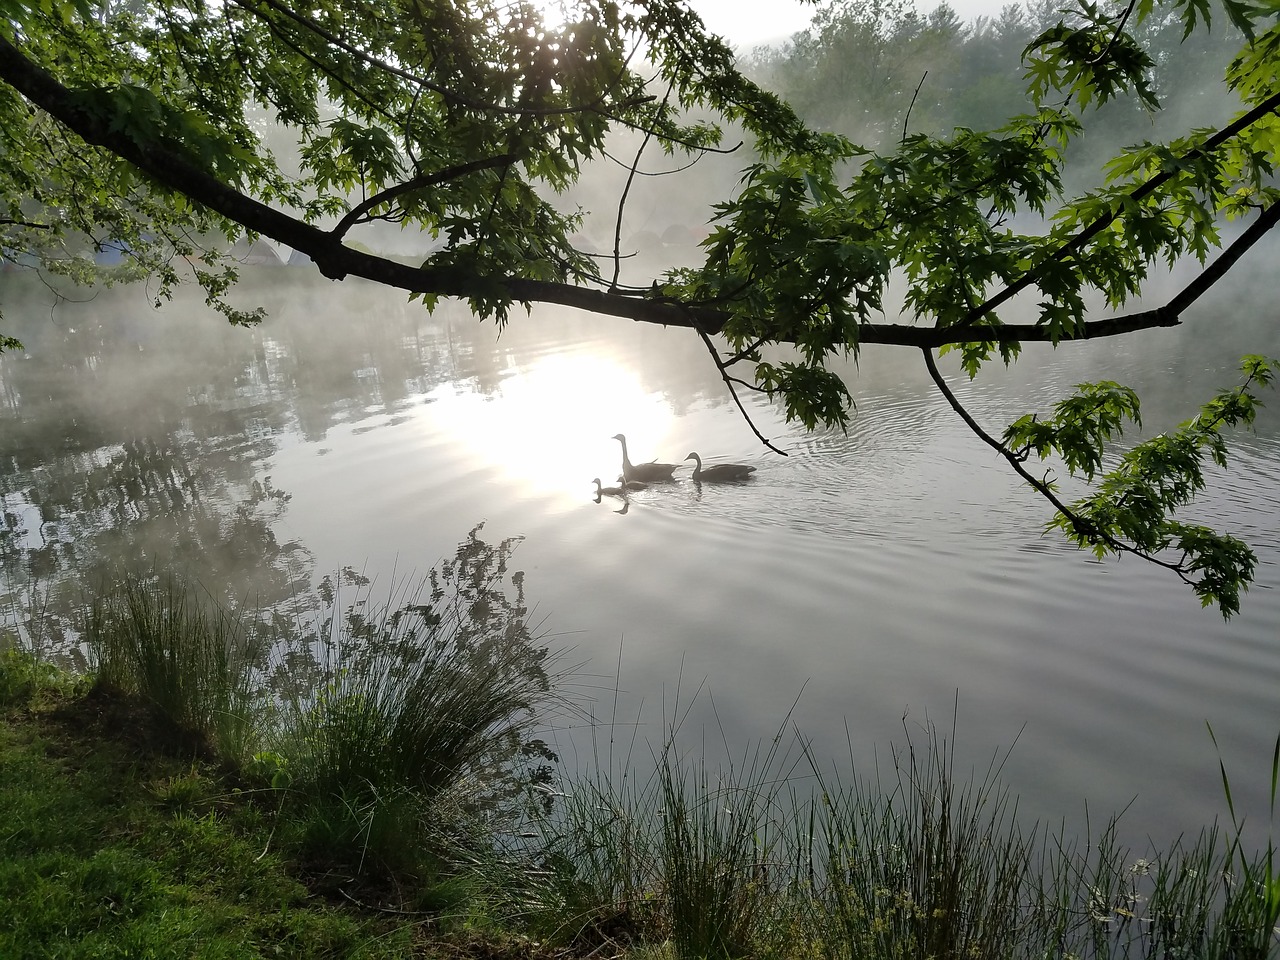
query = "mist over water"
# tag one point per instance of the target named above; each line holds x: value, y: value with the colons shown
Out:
x: 891, y: 572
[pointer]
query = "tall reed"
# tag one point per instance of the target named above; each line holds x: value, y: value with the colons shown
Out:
x: 684, y: 857
x: 719, y: 842
x: 918, y: 866
x: 909, y: 863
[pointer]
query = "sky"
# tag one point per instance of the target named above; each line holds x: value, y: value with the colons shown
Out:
x: 745, y: 23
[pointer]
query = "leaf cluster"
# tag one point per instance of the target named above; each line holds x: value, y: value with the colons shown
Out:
x: 1131, y: 507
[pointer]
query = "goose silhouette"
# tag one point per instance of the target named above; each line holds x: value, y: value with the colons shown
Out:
x: 719, y: 472
x: 651, y: 472
x: 626, y: 487
x: 607, y: 491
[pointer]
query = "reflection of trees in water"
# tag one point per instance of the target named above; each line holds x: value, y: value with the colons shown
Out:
x: 137, y: 438
x: 130, y: 442
x: 74, y: 523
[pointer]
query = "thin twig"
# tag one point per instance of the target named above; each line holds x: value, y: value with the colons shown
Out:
x: 728, y: 382
x: 1079, y: 523
x: 911, y: 106
x: 417, y: 183
x: 626, y: 190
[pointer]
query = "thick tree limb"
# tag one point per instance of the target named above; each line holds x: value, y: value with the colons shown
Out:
x: 174, y: 169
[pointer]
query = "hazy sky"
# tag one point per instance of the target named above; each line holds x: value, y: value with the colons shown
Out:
x: 745, y: 23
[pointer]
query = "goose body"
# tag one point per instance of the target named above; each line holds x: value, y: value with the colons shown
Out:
x: 652, y: 472
x: 719, y: 472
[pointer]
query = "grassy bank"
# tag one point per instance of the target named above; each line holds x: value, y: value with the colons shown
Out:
x: 393, y: 799
x: 117, y: 845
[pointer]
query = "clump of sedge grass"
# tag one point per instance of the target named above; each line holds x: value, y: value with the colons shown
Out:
x: 919, y: 866
x: 749, y: 862
x: 684, y: 859
x: 1211, y: 899
x: 186, y: 656
x: 427, y: 707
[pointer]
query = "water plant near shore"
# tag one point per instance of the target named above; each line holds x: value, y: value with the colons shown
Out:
x: 428, y: 704
x: 908, y: 863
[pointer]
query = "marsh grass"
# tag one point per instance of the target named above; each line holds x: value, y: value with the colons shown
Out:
x: 916, y: 865
x: 411, y: 755
x: 185, y: 655
x: 682, y: 862
x: 923, y: 865
x: 422, y: 732
x: 722, y: 836
x: 770, y: 859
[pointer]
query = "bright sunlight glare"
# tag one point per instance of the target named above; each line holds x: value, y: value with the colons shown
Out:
x: 551, y: 425
x: 555, y: 13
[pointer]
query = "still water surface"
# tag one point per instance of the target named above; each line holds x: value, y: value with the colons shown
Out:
x: 891, y: 572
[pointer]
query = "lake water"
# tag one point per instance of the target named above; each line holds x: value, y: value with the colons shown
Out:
x: 872, y: 580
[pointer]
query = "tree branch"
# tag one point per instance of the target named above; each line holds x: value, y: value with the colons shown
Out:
x: 449, y: 95
x: 167, y: 164
x: 417, y: 183
x: 728, y: 382
x: 1268, y: 106
x: 26, y: 224
x: 1079, y: 523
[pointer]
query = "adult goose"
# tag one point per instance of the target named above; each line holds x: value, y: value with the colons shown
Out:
x: 652, y: 472
x: 719, y: 472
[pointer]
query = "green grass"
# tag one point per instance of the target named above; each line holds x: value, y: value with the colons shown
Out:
x: 425, y: 716
x: 907, y: 863
x: 119, y: 840
x: 110, y: 849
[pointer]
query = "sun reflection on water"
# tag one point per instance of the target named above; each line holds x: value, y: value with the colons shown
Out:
x: 549, y: 427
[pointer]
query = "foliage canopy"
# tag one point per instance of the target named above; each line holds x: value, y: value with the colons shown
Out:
x: 144, y: 125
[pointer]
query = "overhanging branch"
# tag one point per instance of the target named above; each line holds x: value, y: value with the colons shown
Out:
x: 1266, y: 107
x: 170, y: 166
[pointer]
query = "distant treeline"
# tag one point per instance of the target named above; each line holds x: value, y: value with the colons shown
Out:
x: 872, y: 69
